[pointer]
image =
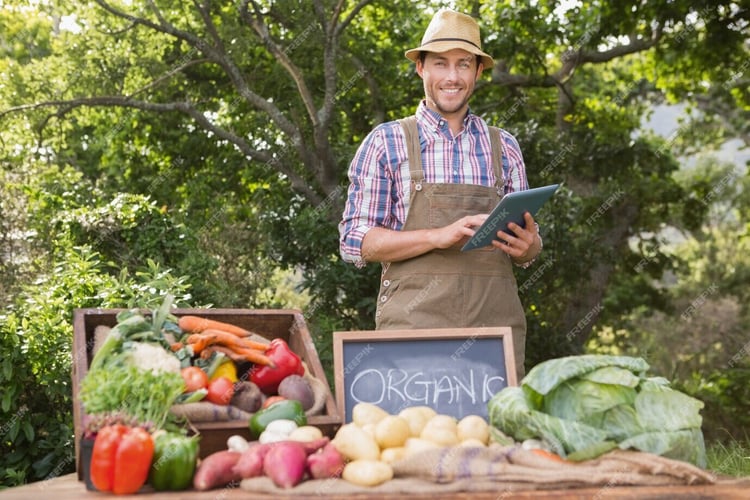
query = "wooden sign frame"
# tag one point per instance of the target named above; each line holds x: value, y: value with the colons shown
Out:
x: 466, y: 336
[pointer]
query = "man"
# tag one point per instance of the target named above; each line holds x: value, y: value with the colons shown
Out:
x: 419, y: 189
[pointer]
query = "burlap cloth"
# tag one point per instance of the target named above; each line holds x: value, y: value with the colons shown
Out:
x: 509, y: 468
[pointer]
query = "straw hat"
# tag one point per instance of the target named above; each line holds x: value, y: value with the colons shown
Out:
x: 451, y: 30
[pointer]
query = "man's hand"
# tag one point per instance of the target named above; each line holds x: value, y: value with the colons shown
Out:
x: 386, y: 245
x: 458, y: 232
x: 525, y: 245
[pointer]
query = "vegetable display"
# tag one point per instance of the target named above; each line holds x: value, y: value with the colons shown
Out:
x: 584, y: 406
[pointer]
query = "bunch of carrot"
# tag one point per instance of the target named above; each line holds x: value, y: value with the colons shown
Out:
x: 208, y: 336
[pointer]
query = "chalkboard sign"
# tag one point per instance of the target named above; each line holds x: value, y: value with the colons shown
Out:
x: 455, y: 371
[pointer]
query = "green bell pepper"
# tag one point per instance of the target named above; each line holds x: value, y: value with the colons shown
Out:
x: 175, y: 458
x: 289, y: 409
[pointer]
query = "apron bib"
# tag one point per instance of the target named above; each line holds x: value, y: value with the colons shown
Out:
x: 448, y: 288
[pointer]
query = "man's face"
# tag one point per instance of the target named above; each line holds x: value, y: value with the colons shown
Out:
x: 449, y: 79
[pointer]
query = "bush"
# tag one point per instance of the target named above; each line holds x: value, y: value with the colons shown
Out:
x: 36, y: 439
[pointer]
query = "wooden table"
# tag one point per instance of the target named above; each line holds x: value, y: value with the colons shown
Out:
x: 69, y: 488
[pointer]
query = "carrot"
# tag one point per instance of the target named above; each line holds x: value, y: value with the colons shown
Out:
x: 222, y: 337
x: 176, y: 346
x: 198, y: 342
x: 197, y: 324
x: 238, y: 354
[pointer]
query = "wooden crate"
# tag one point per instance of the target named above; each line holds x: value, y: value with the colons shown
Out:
x: 271, y: 323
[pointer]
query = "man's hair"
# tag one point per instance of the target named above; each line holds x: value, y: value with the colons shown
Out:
x: 423, y: 56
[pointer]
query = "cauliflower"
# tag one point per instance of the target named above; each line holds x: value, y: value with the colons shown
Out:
x: 153, y: 357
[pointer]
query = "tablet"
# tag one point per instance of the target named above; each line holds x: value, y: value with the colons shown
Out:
x: 510, y: 209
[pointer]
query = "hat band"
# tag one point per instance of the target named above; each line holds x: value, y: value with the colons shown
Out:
x: 452, y: 40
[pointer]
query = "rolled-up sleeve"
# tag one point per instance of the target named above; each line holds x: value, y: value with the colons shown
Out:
x: 368, y: 198
x: 514, y: 170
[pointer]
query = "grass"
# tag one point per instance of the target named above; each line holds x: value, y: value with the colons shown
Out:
x: 732, y: 459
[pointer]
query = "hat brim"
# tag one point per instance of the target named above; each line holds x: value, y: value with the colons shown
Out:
x: 438, y: 47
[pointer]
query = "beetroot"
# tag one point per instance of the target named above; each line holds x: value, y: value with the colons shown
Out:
x: 285, y: 463
x: 325, y: 463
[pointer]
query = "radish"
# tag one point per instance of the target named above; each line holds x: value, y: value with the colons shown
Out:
x: 285, y: 463
x: 325, y: 463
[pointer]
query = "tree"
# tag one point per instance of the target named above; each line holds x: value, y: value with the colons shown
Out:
x: 271, y: 98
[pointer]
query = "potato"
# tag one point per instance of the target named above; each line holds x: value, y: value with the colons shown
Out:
x: 443, y: 422
x: 416, y: 418
x: 354, y: 443
x: 441, y: 436
x: 367, y: 413
x: 306, y: 433
x: 367, y: 472
x: 390, y: 455
x: 392, y: 431
x: 426, y: 411
x: 473, y: 427
x: 416, y: 445
x: 441, y: 430
x: 472, y: 443
x: 369, y: 429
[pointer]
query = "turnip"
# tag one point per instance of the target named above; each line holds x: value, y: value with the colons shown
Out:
x: 285, y: 463
x: 325, y: 463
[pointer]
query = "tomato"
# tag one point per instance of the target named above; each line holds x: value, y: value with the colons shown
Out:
x: 194, y: 378
x: 220, y: 391
x: 271, y: 400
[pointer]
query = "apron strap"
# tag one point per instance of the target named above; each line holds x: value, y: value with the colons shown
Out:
x: 413, y: 150
x: 414, y: 153
x: 498, y: 151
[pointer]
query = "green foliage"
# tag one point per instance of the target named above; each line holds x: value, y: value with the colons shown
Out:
x: 732, y: 459
x: 36, y: 332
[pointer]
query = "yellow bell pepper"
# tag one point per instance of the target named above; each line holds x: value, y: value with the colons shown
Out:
x: 226, y: 369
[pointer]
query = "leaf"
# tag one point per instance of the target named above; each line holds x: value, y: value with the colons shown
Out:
x: 668, y: 410
x: 687, y: 445
x: 546, y: 376
x: 28, y: 431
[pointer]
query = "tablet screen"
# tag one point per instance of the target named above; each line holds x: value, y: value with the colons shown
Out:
x: 510, y: 209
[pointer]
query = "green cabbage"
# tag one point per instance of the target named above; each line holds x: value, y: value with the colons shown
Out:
x: 583, y: 406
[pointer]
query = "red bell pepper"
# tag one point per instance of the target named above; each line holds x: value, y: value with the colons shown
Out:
x: 286, y: 362
x: 121, y: 459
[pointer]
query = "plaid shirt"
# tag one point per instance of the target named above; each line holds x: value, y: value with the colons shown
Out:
x: 379, y: 189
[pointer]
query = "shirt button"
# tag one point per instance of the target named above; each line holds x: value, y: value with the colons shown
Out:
x: 386, y: 282
x: 383, y: 298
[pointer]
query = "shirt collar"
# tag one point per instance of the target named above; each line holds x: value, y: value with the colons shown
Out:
x: 432, y: 120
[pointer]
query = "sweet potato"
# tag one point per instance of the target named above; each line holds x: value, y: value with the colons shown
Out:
x: 285, y: 463
x: 216, y: 470
x: 250, y: 463
x: 325, y: 463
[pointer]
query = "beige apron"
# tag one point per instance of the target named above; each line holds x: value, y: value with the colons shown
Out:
x: 448, y: 288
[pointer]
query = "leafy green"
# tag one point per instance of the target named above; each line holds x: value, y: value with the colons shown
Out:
x: 583, y: 406
x: 141, y: 394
